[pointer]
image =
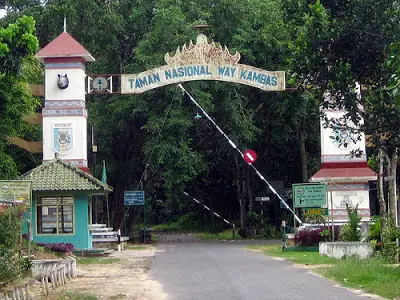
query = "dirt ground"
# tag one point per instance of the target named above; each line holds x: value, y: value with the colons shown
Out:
x: 125, y: 280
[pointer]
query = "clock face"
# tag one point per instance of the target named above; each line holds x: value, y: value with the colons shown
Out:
x: 99, y: 84
x: 343, y: 138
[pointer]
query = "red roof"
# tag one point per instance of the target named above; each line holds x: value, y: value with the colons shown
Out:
x: 344, y: 175
x: 64, y: 46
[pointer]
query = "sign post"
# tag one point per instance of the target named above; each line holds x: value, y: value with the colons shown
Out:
x: 16, y: 192
x: 136, y: 198
x: 262, y: 200
x: 310, y: 195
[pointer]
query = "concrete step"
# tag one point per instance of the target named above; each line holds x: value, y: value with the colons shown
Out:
x: 109, y: 239
x: 101, y: 229
x: 93, y: 252
x: 91, y: 226
x: 105, y: 233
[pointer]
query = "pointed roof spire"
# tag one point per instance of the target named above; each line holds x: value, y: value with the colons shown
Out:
x: 64, y: 46
x: 65, y: 24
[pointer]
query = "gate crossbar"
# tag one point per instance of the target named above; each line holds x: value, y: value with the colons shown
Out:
x: 241, y: 154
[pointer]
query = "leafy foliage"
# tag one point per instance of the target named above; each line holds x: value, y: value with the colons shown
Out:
x: 349, y: 232
x: 11, y: 263
x: 311, y: 237
x: 17, y: 43
x: 375, y: 228
x: 58, y: 247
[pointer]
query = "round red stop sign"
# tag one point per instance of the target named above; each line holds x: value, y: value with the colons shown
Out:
x: 250, y: 156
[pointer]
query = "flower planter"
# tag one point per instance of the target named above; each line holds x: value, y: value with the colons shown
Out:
x: 341, y: 250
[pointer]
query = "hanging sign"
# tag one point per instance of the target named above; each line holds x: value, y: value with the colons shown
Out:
x: 134, y: 198
x: 202, y: 61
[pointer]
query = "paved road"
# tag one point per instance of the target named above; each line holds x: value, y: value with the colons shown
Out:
x: 224, y: 270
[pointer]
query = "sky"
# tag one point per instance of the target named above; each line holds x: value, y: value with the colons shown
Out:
x: 2, y: 13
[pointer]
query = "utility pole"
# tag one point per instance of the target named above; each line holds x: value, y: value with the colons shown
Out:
x: 94, y: 153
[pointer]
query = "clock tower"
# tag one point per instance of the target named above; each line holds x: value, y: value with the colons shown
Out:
x: 64, y: 112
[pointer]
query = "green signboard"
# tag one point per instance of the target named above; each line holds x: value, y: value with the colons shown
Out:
x: 314, y: 211
x: 310, y: 194
x: 16, y: 191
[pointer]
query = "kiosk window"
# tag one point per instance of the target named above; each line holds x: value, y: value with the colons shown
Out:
x: 55, y: 215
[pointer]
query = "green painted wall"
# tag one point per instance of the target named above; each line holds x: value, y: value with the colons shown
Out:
x: 81, y: 239
x: 27, y: 216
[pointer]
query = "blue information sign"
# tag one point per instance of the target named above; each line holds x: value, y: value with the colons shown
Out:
x: 134, y: 197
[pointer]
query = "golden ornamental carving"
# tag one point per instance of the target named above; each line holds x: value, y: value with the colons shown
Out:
x: 202, y: 53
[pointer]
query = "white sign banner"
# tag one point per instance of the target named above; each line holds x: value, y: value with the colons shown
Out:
x: 237, y: 73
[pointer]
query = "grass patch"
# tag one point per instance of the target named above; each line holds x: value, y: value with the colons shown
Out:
x: 138, y: 247
x: 298, y: 257
x: 372, y: 275
x: 224, y: 235
x: 97, y: 260
x: 173, y: 226
x: 68, y: 295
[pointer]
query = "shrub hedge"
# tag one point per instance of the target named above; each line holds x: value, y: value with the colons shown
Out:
x: 311, y: 237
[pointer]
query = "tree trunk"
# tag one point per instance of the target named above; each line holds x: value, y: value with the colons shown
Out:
x: 392, y: 185
x: 240, y: 185
x: 303, y: 154
x: 381, y: 195
x: 243, y: 196
x: 243, y: 215
x: 118, y: 207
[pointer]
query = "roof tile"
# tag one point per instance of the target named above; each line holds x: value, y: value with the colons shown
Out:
x: 64, y: 46
x: 57, y: 175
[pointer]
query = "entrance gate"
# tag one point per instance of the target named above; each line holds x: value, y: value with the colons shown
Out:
x: 65, y: 114
x: 200, y: 61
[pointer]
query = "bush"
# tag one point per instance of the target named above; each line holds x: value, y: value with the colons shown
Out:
x: 389, y: 251
x: 10, y: 227
x: 269, y: 231
x: 349, y: 232
x: 375, y: 228
x: 59, y: 248
x: 12, y: 264
x: 311, y: 237
x: 390, y: 234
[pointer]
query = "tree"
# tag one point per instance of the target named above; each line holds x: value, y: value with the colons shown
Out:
x: 338, y: 43
x: 17, y: 43
x: 383, y: 123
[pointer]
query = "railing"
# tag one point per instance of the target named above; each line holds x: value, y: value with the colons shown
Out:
x: 18, y: 293
x: 57, y: 277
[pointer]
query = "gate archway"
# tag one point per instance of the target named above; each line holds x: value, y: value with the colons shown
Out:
x: 65, y: 114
